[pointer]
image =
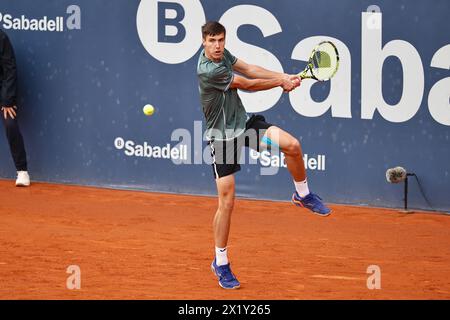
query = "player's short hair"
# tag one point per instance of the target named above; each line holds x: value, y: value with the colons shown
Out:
x: 212, y: 28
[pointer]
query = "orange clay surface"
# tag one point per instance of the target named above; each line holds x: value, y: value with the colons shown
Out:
x: 139, y: 245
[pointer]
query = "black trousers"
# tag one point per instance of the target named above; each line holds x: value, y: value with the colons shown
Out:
x: 15, y: 141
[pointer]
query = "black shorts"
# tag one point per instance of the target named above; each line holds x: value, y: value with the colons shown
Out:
x: 226, y: 155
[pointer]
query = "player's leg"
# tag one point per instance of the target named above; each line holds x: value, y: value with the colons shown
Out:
x: 262, y: 134
x: 292, y: 150
x: 222, y: 219
x: 224, y: 166
x: 17, y: 147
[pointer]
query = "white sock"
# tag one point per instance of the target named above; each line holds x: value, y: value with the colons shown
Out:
x: 302, y: 188
x: 221, y: 256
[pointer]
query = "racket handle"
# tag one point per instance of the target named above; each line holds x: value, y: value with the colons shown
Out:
x: 304, y: 74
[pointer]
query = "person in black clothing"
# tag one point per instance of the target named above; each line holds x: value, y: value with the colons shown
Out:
x: 8, y: 105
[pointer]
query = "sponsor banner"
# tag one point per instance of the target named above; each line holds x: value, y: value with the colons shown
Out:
x: 44, y: 24
x: 85, y: 74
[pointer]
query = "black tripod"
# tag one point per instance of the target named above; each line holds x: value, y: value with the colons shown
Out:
x: 405, y: 199
x: 406, y: 192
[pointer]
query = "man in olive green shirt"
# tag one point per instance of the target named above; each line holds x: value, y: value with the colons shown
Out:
x: 229, y: 129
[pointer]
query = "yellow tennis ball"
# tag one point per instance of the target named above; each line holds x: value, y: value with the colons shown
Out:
x: 148, y: 110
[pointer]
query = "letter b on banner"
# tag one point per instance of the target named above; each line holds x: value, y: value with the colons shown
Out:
x: 170, y: 30
x: 167, y: 22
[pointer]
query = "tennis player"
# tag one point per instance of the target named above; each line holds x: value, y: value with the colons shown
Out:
x: 229, y: 128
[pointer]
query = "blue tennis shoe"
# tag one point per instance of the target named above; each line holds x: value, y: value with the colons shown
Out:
x: 312, y: 202
x: 227, y: 279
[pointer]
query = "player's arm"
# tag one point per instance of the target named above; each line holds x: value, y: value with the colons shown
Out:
x: 256, y: 72
x: 240, y: 82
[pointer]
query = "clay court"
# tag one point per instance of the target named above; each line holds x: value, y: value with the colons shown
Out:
x: 140, y: 245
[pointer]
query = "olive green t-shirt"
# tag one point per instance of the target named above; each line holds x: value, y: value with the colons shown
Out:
x: 224, y: 112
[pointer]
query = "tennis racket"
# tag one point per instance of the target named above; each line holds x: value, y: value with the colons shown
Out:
x: 323, y: 62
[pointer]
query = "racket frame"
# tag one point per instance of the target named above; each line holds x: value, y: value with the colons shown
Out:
x: 309, y: 67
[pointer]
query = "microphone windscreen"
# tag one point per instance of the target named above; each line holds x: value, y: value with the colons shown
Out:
x: 396, y: 175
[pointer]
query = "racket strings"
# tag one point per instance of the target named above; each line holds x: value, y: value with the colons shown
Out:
x: 324, y: 61
x: 321, y: 59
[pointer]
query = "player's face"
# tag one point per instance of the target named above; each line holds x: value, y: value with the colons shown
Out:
x: 214, y: 46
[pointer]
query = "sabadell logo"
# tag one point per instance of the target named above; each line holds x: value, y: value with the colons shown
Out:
x: 45, y: 23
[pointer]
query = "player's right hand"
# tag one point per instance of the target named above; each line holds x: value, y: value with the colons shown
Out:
x: 287, y: 84
x: 296, y: 80
x: 290, y: 82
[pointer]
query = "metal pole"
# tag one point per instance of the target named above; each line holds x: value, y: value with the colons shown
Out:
x: 406, y: 193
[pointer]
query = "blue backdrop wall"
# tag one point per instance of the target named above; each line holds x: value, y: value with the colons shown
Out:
x: 86, y: 69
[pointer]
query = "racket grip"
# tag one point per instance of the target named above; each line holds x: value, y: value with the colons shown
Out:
x: 303, y: 74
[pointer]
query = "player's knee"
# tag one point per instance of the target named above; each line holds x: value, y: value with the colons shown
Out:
x: 226, y: 204
x: 293, y: 148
